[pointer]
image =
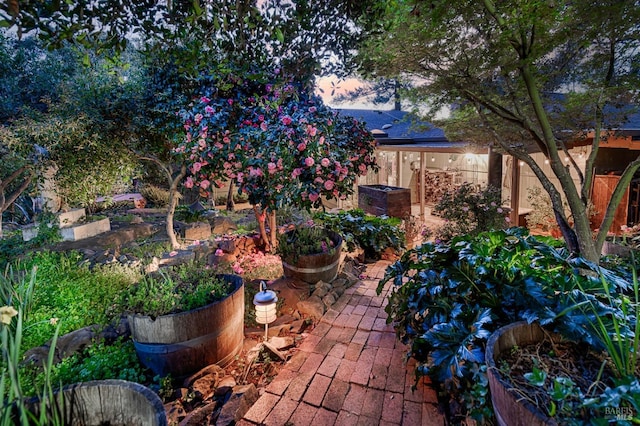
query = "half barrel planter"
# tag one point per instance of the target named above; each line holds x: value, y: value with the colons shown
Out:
x: 510, y: 408
x: 109, y: 402
x: 316, y: 267
x: 181, y: 343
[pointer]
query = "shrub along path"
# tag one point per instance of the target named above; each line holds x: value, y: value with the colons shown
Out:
x: 350, y: 370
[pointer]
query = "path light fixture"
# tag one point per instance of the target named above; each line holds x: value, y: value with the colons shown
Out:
x: 265, y: 303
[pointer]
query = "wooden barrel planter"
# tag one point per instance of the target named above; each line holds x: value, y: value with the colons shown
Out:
x: 182, y: 343
x: 316, y: 267
x: 110, y: 402
x: 509, y: 407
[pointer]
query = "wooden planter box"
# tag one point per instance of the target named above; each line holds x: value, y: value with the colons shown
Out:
x: 381, y: 200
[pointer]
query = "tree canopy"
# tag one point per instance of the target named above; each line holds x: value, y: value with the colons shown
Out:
x: 522, y: 73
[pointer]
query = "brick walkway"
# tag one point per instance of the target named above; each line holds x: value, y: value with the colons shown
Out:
x: 348, y: 371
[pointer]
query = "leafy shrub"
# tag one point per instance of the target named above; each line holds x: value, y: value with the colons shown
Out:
x: 155, y: 195
x: 468, y: 211
x: 447, y: 299
x: 373, y: 234
x: 177, y: 289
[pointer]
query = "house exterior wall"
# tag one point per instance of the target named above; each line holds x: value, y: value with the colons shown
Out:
x: 529, y: 180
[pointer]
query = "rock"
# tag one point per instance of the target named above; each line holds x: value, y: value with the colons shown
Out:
x: 281, y: 343
x: 205, y: 386
x: 177, y: 258
x: 175, y: 412
x: 213, y: 369
x: 200, y: 416
x: 236, y: 407
x: 223, y: 225
x: 227, y: 245
x: 313, y: 307
x: 224, y: 385
x: 197, y: 231
x: 153, y: 266
x: 268, y: 346
x: 329, y: 299
x: 75, y: 341
x: 136, y: 220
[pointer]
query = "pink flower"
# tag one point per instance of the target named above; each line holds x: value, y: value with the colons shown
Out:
x: 189, y: 183
x: 296, y: 172
x: 313, y: 197
x: 312, y: 109
x: 255, y: 172
x: 205, y: 100
x: 198, y: 118
x: 263, y: 126
x: 209, y: 110
x: 272, y: 168
x: 219, y: 252
x: 302, y: 146
x: 321, y: 140
x: 362, y: 168
x: 311, y: 130
x: 325, y: 162
x: 205, y: 184
x: 308, y: 161
x: 230, y: 102
x: 196, y: 168
x: 328, y: 185
x: 286, y: 120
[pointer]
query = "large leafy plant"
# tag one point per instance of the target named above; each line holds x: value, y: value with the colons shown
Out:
x: 275, y: 141
x: 373, y: 234
x: 449, y: 297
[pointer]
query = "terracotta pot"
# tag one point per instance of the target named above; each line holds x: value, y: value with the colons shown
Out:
x: 182, y: 343
x: 316, y: 267
x: 509, y: 407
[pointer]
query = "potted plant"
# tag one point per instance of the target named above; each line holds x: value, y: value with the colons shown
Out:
x: 449, y: 297
x: 586, y: 372
x: 185, y: 318
x: 372, y: 234
x: 310, y: 253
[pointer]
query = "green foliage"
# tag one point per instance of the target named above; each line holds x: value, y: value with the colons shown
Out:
x: 373, y: 234
x: 177, y: 289
x: 71, y: 294
x: 17, y: 292
x: 306, y: 240
x: 186, y: 214
x: 447, y: 298
x: 468, y: 211
x: 100, y: 361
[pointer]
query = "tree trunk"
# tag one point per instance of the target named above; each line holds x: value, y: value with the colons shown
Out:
x: 230, y: 203
x: 273, y: 230
x: 6, y: 201
x: 261, y: 216
x: 173, y: 203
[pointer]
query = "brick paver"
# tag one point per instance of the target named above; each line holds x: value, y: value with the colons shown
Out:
x: 350, y: 370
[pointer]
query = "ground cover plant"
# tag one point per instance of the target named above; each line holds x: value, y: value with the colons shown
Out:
x: 449, y: 297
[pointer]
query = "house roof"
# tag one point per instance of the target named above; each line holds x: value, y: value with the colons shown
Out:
x: 395, y: 131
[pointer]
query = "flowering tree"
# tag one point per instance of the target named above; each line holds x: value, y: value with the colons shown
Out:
x: 278, y: 144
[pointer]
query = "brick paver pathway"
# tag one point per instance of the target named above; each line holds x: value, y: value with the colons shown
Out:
x: 348, y: 371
